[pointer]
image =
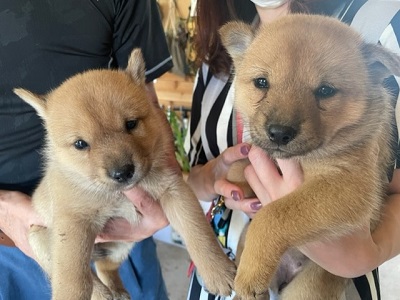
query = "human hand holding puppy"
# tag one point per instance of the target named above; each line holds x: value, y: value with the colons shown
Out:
x: 208, y: 181
x: 348, y: 256
x: 17, y: 216
x: 153, y: 219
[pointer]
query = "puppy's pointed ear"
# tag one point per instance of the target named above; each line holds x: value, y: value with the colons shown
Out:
x: 36, y: 101
x: 136, y: 67
x: 236, y: 37
x: 381, y: 62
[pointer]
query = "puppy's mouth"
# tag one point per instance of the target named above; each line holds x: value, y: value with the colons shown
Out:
x: 288, y: 151
x: 278, y: 152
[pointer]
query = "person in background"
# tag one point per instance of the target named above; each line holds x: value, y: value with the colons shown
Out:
x: 215, y: 141
x: 42, y: 43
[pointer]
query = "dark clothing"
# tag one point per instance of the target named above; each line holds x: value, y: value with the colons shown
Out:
x: 44, y: 42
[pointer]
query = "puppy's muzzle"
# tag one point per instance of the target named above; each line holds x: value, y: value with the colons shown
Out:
x: 122, y: 174
x: 280, y: 134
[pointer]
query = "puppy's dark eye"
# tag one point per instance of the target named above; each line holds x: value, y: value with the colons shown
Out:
x: 81, y: 145
x: 261, y: 83
x: 131, y: 124
x: 325, y: 91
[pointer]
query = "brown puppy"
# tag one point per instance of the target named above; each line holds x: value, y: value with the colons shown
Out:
x: 104, y: 136
x: 310, y: 89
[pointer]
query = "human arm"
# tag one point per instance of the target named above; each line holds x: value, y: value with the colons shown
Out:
x: 360, y: 252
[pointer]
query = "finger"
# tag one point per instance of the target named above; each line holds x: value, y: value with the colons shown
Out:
x: 292, y: 172
x: 234, y: 153
x: 256, y: 185
x: 264, y: 167
x: 250, y: 206
x: 144, y: 203
x: 138, y: 196
x: 153, y: 216
x: 227, y: 189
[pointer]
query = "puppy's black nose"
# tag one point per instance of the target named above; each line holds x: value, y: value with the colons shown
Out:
x: 122, y: 174
x: 280, y: 134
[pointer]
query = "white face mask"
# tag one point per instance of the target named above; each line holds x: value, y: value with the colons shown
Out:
x: 269, y: 3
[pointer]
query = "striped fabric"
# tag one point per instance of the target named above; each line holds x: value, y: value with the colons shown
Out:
x: 212, y: 129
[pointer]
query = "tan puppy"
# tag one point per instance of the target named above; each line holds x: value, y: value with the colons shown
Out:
x: 310, y: 89
x: 105, y: 136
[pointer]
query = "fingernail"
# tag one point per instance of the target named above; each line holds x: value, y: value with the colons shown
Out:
x: 255, y: 205
x: 235, y: 195
x: 245, y: 150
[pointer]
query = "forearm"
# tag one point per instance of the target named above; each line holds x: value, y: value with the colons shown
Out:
x: 361, y: 252
x: 387, y: 234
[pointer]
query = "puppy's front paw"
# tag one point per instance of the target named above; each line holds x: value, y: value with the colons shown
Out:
x: 218, y: 277
x: 251, y: 282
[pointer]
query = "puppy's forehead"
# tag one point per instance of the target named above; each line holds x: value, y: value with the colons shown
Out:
x: 312, y: 45
x: 99, y: 94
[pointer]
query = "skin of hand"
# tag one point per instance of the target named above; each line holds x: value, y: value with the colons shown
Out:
x: 208, y: 181
x: 153, y: 219
x: 360, y: 252
x: 16, y: 217
x: 349, y: 256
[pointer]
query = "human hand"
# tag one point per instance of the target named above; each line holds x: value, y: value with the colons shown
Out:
x: 210, y: 180
x: 16, y: 217
x: 272, y: 180
x: 152, y: 220
x: 269, y: 180
x: 262, y: 175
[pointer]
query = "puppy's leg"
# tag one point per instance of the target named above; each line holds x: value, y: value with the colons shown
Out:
x: 107, y: 267
x: 107, y: 271
x: 318, y: 208
x: 185, y: 214
x: 314, y: 283
x: 100, y: 291
x: 71, y: 250
x: 39, y: 240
